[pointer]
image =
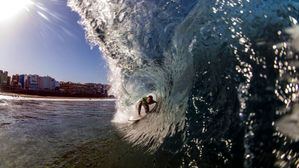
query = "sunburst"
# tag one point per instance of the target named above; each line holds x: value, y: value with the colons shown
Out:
x: 10, y: 8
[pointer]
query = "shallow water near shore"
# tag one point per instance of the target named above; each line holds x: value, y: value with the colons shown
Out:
x: 61, y: 134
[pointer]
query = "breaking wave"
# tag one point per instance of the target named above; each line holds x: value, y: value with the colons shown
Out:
x: 224, y: 72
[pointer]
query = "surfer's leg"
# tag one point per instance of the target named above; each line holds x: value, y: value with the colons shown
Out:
x: 146, y: 107
x: 139, y: 107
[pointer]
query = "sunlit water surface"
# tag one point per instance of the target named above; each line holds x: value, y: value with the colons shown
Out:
x: 40, y: 133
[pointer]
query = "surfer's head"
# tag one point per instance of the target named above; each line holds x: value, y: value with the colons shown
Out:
x: 150, y: 99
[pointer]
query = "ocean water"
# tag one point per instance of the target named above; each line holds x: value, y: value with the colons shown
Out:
x: 48, y: 133
x: 225, y: 73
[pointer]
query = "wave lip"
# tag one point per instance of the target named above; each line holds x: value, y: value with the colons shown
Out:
x: 138, y: 40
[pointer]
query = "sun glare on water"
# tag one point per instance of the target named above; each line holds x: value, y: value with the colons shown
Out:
x: 10, y: 8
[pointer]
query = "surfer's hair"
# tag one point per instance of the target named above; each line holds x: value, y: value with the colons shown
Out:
x: 150, y: 96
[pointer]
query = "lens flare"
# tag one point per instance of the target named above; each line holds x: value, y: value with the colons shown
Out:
x: 11, y: 8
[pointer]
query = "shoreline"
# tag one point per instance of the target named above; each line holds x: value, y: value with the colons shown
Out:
x: 51, y: 98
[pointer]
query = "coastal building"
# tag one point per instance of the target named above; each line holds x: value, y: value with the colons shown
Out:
x: 26, y: 82
x: 83, y: 89
x: 57, y: 85
x: 3, y: 78
x: 47, y: 83
x: 22, y: 81
x: 15, y: 81
x: 8, y: 81
x: 33, y: 82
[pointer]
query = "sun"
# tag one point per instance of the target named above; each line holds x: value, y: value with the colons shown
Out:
x: 10, y: 8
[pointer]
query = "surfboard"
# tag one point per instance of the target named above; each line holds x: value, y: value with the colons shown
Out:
x: 136, y: 119
x: 152, y: 108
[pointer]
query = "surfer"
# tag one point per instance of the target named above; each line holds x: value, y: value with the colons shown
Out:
x: 145, y: 102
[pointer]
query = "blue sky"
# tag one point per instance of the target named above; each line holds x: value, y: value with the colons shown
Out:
x: 47, y: 40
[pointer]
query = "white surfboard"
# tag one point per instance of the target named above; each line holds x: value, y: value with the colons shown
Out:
x: 152, y: 108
